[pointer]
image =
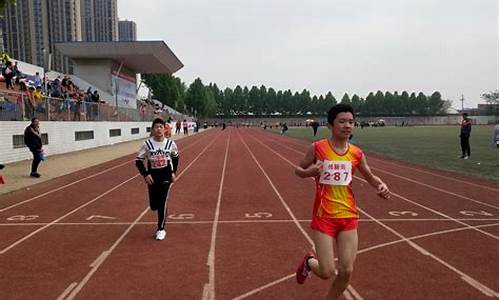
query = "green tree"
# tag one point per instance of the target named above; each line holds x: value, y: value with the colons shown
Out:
x: 196, y: 97
x: 435, y: 104
x: 491, y: 97
x: 345, y: 99
x: 422, y: 105
x: 166, y: 88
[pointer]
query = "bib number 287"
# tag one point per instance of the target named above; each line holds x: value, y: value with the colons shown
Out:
x: 336, y: 173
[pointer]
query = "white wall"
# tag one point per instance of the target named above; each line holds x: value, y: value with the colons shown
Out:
x: 61, y: 136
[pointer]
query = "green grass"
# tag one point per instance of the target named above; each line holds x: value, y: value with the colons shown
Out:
x: 436, y: 147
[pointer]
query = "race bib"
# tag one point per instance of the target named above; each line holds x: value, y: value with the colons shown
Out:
x: 158, y: 162
x: 336, y: 173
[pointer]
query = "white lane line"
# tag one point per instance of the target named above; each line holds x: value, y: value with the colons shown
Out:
x: 99, y: 258
x: 287, y: 208
x: 209, y: 288
x: 437, y: 175
x: 3, y: 251
x: 67, y: 290
x: 436, y: 212
x: 102, y: 258
x: 230, y: 221
x: 117, y: 242
x: 482, y: 288
x: 435, y: 188
x: 365, y: 250
x: 308, y: 238
x: 64, y: 186
x: 255, y: 291
x: 416, y: 237
x: 299, y: 143
x: 397, y: 195
x: 407, y: 179
x: 412, y: 244
x: 75, y: 182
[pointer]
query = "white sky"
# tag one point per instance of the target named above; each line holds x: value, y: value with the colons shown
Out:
x: 353, y: 46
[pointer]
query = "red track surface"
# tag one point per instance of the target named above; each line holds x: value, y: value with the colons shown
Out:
x: 238, y: 224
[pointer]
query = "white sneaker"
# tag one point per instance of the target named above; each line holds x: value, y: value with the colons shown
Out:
x: 160, y: 235
x: 466, y: 157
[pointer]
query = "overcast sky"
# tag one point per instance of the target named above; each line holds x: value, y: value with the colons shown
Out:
x: 353, y: 46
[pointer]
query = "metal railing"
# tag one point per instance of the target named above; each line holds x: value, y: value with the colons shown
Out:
x: 16, y: 106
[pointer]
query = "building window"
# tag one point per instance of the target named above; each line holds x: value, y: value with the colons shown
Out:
x: 18, y: 140
x: 134, y: 131
x: 84, y: 135
x: 115, y: 132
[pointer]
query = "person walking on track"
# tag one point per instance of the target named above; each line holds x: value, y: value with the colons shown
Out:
x: 162, y: 160
x: 332, y: 163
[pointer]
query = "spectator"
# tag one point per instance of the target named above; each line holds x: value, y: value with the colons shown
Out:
x: 315, y: 126
x: 465, y: 130
x: 33, y: 140
x: 30, y: 103
x: 178, y: 127
x: 284, y: 128
x: 8, y: 74
x: 17, y: 73
x: 495, y: 136
x: 37, y: 80
x: 185, y: 127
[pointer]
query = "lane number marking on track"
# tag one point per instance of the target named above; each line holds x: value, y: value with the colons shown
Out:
x: 403, y: 213
x: 187, y: 216
x: 22, y: 218
x: 259, y: 215
x: 471, y: 213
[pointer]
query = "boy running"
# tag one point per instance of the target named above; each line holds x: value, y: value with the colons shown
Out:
x: 162, y: 161
x: 332, y: 163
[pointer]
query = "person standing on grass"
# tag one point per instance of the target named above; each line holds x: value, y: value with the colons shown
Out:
x: 315, y: 126
x: 332, y: 163
x: 162, y: 160
x: 465, y: 129
x: 33, y: 140
x: 495, y: 136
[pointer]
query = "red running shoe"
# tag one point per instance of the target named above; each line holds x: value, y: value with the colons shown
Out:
x: 303, y: 269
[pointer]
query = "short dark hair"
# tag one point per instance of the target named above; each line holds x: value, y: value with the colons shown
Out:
x: 338, y: 108
x: 156, y: 121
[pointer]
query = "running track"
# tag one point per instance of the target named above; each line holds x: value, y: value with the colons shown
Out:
x: 238, y: 224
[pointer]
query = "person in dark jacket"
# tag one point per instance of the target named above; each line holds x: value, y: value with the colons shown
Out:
x: 315, y: 126
x: 465, y: 129
x: 33, y: 140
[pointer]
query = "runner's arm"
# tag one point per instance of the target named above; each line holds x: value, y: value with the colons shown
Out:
x: 306, y: 167
x: 375, y: 181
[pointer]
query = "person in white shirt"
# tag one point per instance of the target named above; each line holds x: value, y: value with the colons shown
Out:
x: 162, y: 158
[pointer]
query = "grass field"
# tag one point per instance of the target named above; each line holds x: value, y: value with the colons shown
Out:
x: 436, y: 147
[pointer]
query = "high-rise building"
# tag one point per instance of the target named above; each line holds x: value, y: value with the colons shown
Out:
x: 64, y: 26
x: 31, y: 28
x: 99, y: 20
x: 127, y: 30
x: 106, y: 16
x: 25, y: 28
x: 88, y: 20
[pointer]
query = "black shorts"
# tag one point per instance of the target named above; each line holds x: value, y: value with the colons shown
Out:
x: 158, y: 193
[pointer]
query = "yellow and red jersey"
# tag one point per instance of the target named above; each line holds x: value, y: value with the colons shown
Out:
x: 168, y: 130
x: 334, y: 196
